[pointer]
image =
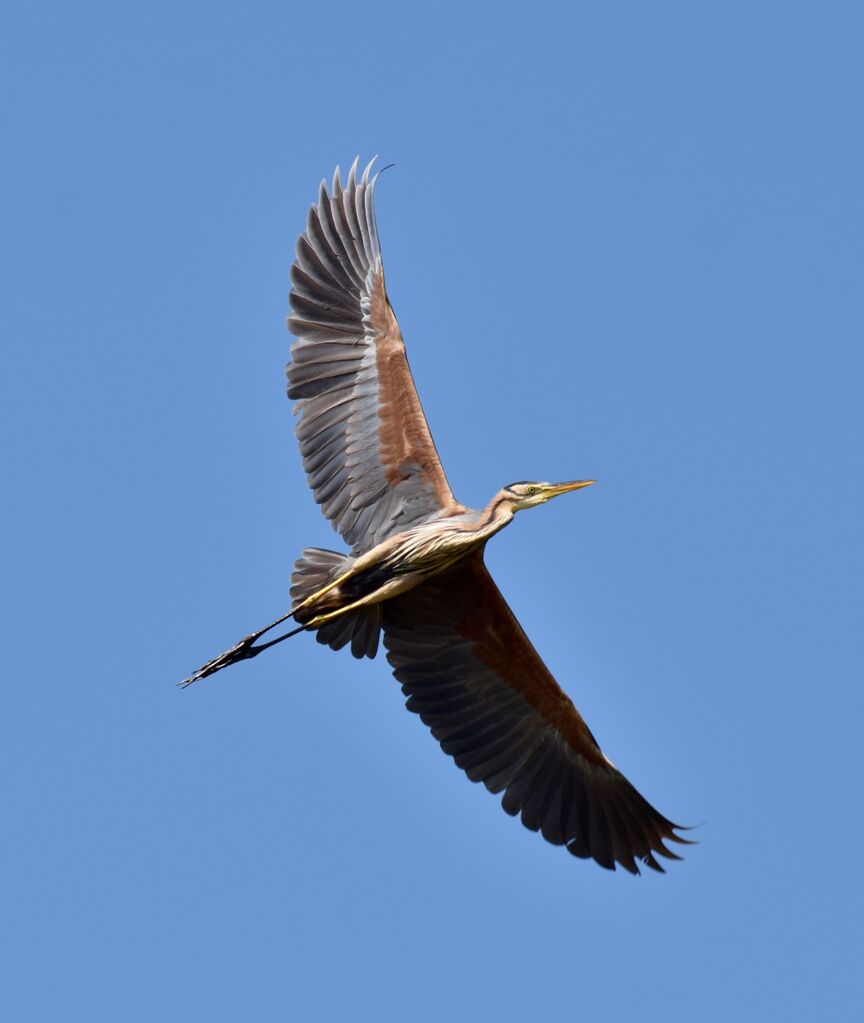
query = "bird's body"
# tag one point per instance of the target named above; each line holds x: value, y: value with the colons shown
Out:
x: 416, y: 572
x: 405, y: 560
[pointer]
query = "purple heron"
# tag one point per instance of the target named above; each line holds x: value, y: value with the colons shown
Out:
x: 415, y: 572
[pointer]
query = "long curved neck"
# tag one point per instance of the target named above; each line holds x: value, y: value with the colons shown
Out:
x: 497, y: 514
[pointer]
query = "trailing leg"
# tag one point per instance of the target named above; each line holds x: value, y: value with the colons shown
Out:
x: 241, y: 651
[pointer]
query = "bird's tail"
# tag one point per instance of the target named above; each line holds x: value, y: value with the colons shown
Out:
x: 313, y: 571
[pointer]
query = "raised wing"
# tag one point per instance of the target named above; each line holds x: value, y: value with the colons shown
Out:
x: 366, y: 446
x: 474, y: 678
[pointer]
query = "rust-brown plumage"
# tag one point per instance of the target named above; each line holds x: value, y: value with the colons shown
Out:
x: 416, y: 569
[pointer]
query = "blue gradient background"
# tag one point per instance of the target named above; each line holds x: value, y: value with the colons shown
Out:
x: 624, y: 241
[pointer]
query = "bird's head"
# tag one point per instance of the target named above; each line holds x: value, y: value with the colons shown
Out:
x: 526, y: 494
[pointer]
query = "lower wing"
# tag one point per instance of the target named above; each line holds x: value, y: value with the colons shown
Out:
x: 474, y: 678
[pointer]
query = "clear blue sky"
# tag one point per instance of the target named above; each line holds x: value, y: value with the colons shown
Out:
x: 624, y: 241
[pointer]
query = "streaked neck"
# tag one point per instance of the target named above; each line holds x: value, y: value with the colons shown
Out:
x: 498, y: 512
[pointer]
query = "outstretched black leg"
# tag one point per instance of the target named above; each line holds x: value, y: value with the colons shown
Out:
x: 240, y: 652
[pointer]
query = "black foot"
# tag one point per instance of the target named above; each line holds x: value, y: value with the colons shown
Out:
x: 240, y: 652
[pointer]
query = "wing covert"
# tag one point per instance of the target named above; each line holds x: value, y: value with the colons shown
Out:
x: 366, y: 447
x: 472, y: 675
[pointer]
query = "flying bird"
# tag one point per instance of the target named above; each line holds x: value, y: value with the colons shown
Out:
x: 415, y: 572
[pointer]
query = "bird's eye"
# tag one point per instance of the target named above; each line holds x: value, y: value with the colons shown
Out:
x: 531, y: 491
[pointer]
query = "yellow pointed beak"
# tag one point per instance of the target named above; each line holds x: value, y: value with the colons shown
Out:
x: 564, y: 488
